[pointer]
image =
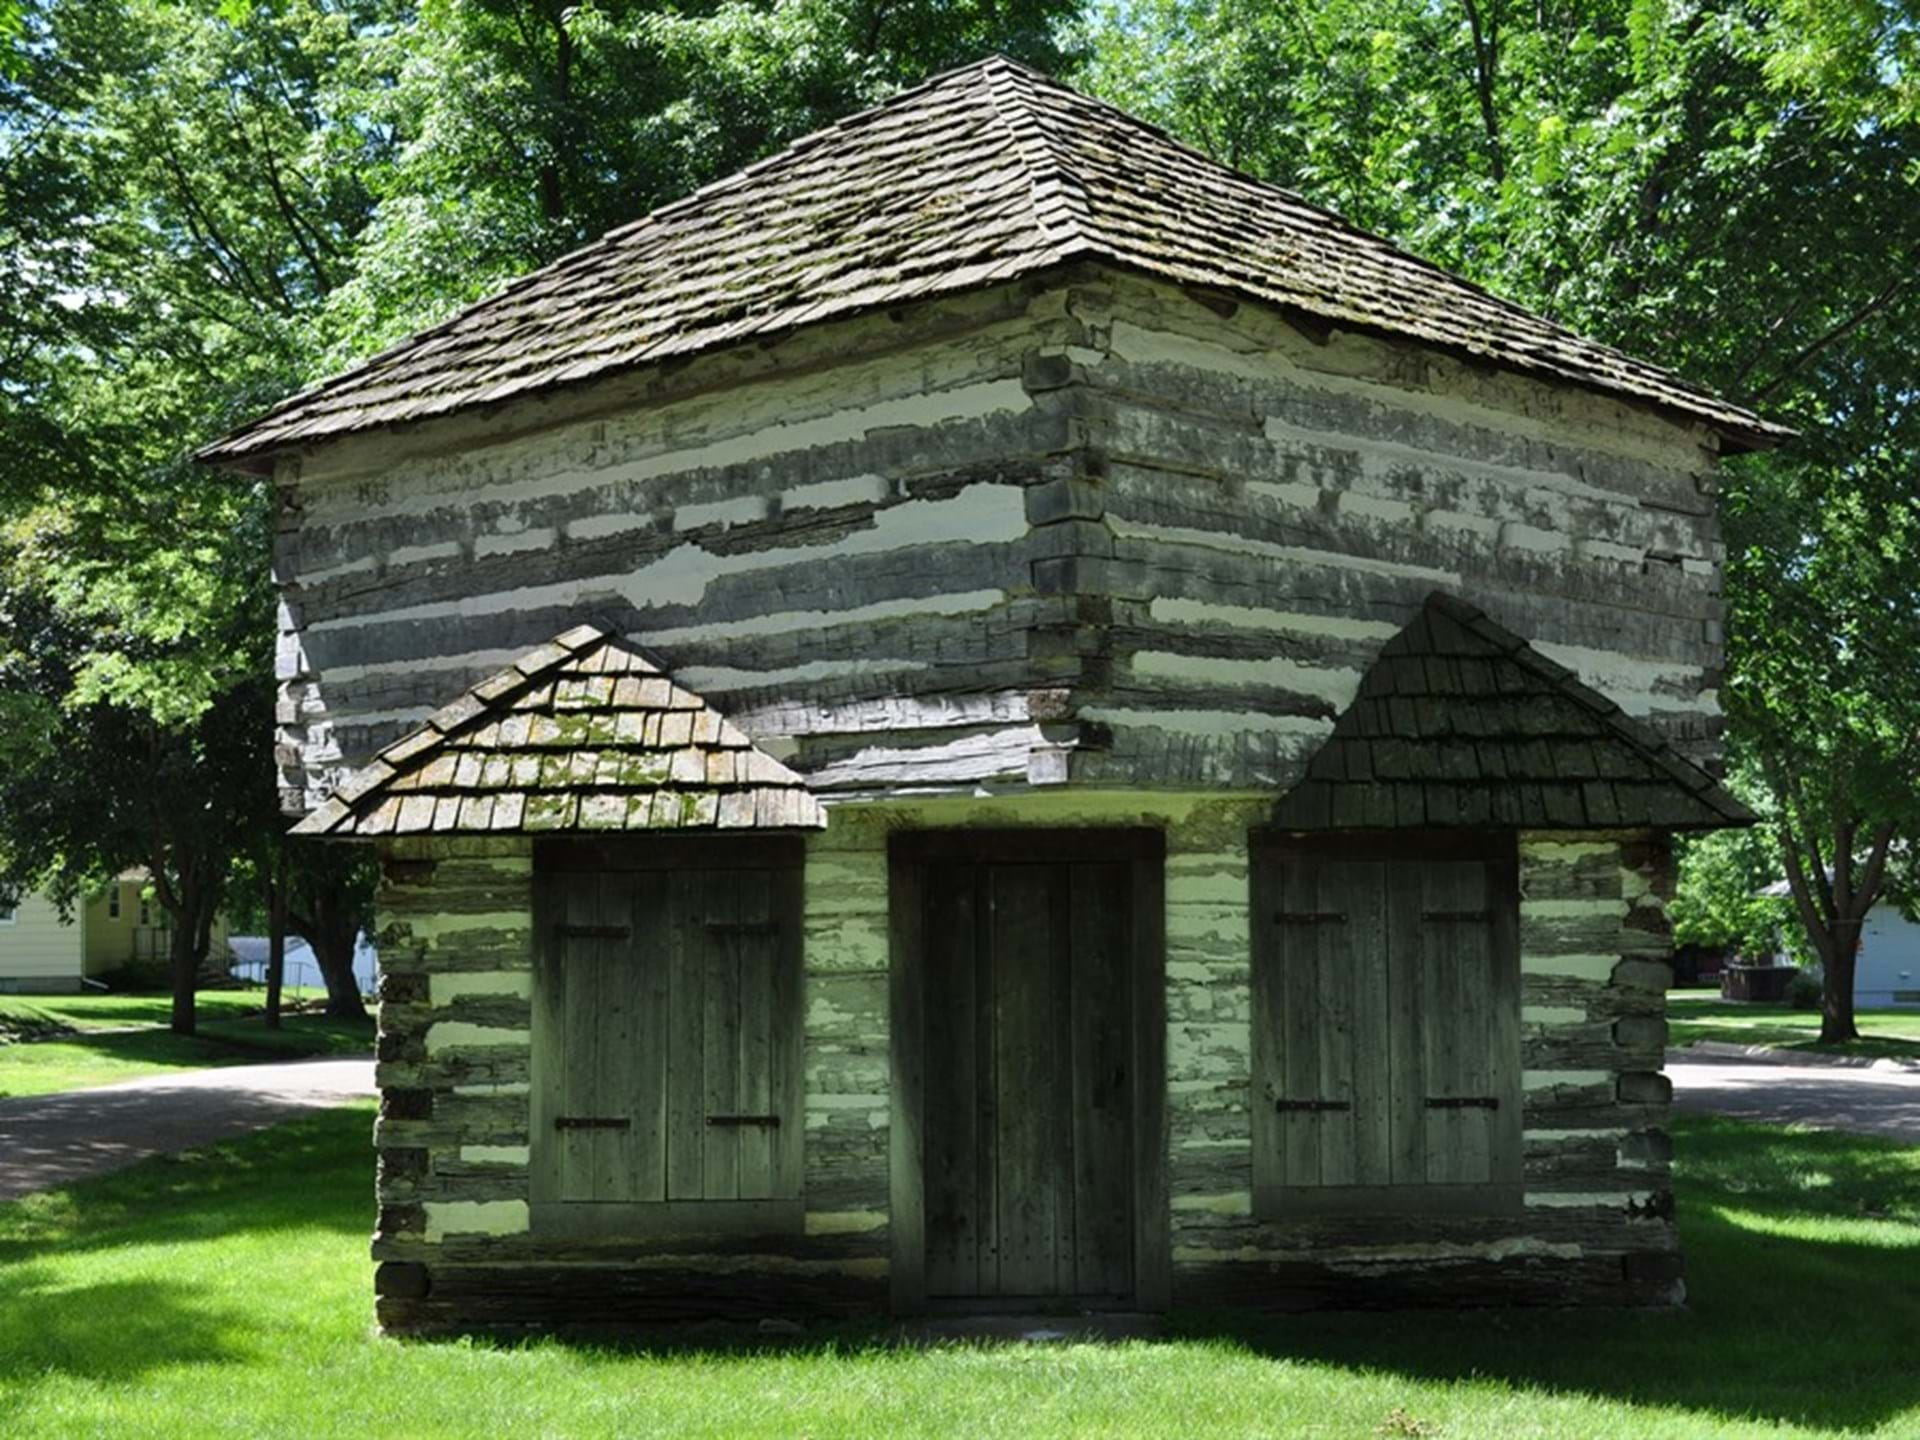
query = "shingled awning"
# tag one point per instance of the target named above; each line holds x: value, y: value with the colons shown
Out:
x: 1460, y: 722
x: 584, y: 733
x: 982, y: 175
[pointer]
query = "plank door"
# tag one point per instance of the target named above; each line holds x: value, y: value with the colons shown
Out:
x: 666, y: 1069
x: 1386, y: 1026
x: 1028, y: 1120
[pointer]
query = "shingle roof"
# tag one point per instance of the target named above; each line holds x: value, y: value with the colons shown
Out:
x: 978, y: 176
x: 1460, y: 722
x: 584, y: 733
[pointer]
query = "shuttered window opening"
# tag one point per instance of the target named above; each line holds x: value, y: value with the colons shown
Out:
x: 1386, y: 1054
x: 666, y: 1040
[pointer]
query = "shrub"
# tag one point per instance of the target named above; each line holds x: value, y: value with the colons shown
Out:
x: 1806, y: 987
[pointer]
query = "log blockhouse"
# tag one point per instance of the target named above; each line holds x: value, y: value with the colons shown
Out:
x: 988, y: 713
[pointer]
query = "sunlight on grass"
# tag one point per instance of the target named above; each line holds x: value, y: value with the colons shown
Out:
x: 229, y: 1294
x: 80, y: 1062
x: 1691, y: 1019
x: 91, y: 1011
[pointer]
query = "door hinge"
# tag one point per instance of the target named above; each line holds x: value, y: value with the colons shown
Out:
x: 594, y: 932
x: 591, y: 1122
x: 1309, y: 917
x: 1476, y: 917
x: 1312, y: 1106
x: 770, y: 1120
x: 1463, y: 1102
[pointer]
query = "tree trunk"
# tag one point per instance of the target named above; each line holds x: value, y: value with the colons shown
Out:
x: 1836, y: 996
x: 184, y: 969
x: 333, y: 950
x: 276, y: 936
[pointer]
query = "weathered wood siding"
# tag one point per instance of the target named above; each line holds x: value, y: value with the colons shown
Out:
x: 1597, y: 1222
x: 1263, y: 509
x: 1098, y: 529
x: 454, y: 1236
x: 455, y: 1015
x: 833, y: 542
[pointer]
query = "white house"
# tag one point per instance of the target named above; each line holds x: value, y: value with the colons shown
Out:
x: 118, y: 926
x: 1887, y: 971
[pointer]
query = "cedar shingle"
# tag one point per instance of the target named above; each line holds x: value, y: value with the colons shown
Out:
x: 1497, y: 734
x: 542, y: 746
x: 977, y: 176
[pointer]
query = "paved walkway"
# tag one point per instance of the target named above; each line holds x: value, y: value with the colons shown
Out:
x: 1868, y: 1100
x: 51, y: 1140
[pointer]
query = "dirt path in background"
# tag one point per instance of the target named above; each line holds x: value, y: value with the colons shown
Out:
x: 47, y: 1141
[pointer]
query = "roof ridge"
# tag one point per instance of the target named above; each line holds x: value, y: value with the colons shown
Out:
x: 1059, y: 198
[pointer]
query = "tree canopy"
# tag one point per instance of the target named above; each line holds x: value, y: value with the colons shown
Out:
x: 205, y: 204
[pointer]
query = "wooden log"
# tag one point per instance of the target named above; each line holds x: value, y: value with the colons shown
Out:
x: 587, y: 1300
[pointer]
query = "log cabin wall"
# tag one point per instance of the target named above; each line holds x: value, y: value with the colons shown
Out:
x: 1267, y: 504
x: 453, y: 1237
x: 832, y: 538
x: 1099, y: 530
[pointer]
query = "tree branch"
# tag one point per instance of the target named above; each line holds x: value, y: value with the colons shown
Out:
x: 1884, y: 297
x: 1486, y: 62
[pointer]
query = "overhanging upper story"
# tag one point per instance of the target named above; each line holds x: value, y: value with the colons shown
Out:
x: 1081, y: 518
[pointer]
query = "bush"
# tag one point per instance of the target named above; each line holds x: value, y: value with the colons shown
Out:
x: 1806, y: 987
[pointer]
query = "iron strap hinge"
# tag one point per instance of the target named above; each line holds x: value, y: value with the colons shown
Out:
x: 768, y: 1120
x: 594, y: 932
x: 1309, y: 917
x: 1463, y: 1102
x: 591, y: 1122
x: 1312, y: 1106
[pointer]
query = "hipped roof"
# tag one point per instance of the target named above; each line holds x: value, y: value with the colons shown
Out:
x: 982, y: 175
x: 1460, y: 722
x: 583, y: 733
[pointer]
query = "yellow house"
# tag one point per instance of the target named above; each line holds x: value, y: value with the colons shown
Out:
x: 109, y: 930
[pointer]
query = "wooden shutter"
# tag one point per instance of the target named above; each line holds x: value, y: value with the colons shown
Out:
x: 667, y: 1035
x: 1386, y: 1058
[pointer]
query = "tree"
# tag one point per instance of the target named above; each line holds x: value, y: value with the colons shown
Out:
x: 1823, y: 689
x: 328, y: 897
x: 104, y: 785
x: 1720, y: 901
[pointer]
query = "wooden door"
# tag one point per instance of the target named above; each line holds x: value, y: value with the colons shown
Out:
x: 1029, y: 968
x: 1386, y: 1025
x: 666, y: 1044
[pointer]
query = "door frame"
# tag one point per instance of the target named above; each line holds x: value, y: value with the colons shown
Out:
x: 908, y: 855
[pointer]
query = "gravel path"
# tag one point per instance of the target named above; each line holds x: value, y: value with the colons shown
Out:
x: 47, y: 1141
x: 1868, y: 1100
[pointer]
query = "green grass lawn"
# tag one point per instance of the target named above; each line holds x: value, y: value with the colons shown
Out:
x: 228, y: 1294
x: 1882, y: 1032
x: 230, y: 1033
x: 104, y: 1011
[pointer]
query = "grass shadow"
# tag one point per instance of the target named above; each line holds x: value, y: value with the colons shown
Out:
x: 114, y: 1331
x: 1803, y: 1274
x: 313, y: 1170
x: 86, y: 1059
x: 1803, y: 1269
